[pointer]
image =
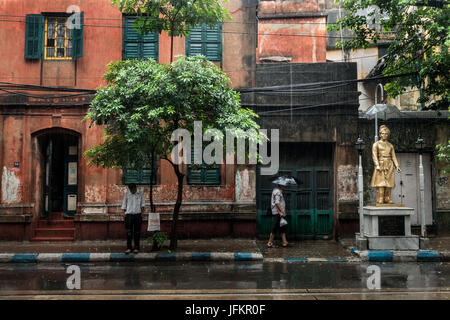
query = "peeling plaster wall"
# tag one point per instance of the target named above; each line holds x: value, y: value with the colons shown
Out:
x: 245, y: 185
x: 347, y: 179
x: 443, y: 190
x: 11, y: 192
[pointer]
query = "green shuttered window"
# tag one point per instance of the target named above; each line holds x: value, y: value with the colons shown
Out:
x: 52, y: 34
x: 136, y: 46
x: 137, y: 176
x: 206, y: 41
x: 203, y: 173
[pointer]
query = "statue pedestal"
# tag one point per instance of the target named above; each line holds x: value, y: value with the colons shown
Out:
x: 389, y: 228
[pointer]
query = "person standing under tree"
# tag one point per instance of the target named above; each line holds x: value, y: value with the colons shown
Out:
x: 133, y: 204
x: 384, y: 159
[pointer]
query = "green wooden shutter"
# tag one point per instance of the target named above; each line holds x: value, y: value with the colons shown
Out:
x: 131, y: 39
x: 211, y: 174
x: 136, y: 46
x: 213, y: 44
x: 130, y: 176
x: 145, y: 176
x: 34, y: 36
x: 149, y: 48
x: 194, y: 42
x: 137, y: 176
x: 203, y: 173
x: 77, y: 39
x: 206, y: 41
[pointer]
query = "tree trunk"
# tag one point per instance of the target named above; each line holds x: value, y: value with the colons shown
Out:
x: 176, y: 209
x: 152, y: 206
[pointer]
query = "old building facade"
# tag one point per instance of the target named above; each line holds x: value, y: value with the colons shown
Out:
x: 48, y: 79
x: 43, y: 135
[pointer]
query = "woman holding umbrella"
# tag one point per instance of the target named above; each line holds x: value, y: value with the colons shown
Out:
x: 278, y: 205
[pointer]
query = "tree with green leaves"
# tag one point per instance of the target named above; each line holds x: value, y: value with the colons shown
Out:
x: 176, y: 17
x: 144, y: 102
x: 418, y: 34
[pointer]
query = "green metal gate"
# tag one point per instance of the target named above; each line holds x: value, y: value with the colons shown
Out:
x: 309, y: 205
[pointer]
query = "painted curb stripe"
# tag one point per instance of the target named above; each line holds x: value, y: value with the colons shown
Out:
x: 121, y: 257
x: 243, y: 256
x: 6, y: 257
x: 337, y: 259
x: 75, y: 257
x: 201, y: 256
x: 99, y: 257
x: 49, y: 257
x: 24, y: 257
x: 381, y: 256
x: 296, y: 259
x: 217, y: 256
x: 428, y: 255
x: 166, y: 256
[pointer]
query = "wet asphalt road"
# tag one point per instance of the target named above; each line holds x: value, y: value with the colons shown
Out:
x: 273, y: 278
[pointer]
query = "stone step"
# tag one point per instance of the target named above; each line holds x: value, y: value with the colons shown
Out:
x: 40, y: 238
x: 55, y: 232
x: 55, y: 224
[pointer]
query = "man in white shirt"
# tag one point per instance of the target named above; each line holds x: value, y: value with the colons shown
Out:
x: 133, y: 204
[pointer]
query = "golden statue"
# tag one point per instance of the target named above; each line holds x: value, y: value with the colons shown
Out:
x: 384, y: 159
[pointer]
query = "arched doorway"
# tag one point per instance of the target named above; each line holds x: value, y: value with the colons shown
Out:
x: 58, y: 150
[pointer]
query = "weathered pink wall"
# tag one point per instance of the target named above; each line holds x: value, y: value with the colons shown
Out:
x: 102, y: 44
x: 292, y: 29
x: 301, y: 39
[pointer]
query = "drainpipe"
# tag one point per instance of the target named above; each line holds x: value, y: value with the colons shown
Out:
x: 344, y: 57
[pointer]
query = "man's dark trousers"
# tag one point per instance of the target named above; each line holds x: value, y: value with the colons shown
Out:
x: 133, y: 223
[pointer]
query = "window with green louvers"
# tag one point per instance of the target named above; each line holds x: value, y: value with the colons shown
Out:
x: 136, y: 46
x: 137, y: 176
x: 50, y: 34
x: 205, y: 174
x: 206, y: 41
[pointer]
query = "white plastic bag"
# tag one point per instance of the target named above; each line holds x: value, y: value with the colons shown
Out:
x: 153, y: 221
x: 283, y: 222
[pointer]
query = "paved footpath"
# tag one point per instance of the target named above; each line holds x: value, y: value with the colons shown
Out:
x: 216, y: 250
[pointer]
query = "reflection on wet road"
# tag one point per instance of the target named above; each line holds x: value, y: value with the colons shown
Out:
x: 221, y: 276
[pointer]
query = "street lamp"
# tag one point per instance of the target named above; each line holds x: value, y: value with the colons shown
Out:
x: 420, y: 143
x: 360, y: 147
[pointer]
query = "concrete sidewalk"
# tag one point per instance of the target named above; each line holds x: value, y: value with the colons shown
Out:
x: 227, y: 249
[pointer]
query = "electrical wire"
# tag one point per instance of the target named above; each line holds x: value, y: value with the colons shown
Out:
x: 231, y: 32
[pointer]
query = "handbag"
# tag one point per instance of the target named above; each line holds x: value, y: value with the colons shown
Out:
x: 283, y: 222
x: 153, y: 221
